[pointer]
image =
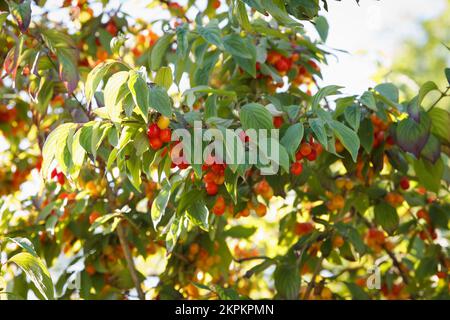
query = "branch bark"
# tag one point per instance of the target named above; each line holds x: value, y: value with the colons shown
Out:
x: 130, y: 262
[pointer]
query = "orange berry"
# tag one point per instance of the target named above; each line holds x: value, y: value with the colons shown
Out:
x: 305, y: 149
x: 302, y: 228
x: 93, y: 216
x: 261, y: 210
x: 90, y: 269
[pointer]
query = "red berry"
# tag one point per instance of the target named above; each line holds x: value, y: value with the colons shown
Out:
x: 296, y: 168
x: 218, y: 168
x: 390, y: 140
x: 298, y: 156
x: 54, y: 173
x: 277, y: 122
x: 61, y: 178
x: 216, y: 4
x: 283, y: 64
x: 312, y: 155
x: 165, y: 135
x: 211, y: 188
x: 404, y: 183
x: 305, y: 149
x: 155, y: 143
x: 153, y: 131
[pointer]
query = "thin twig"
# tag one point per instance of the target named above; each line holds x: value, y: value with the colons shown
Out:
x: 313, y: 279
x: 130, y: 261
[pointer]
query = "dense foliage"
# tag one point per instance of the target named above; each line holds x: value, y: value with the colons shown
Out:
x: 89, y: 191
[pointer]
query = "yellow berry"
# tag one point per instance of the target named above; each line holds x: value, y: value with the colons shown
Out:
x: 163, y: 122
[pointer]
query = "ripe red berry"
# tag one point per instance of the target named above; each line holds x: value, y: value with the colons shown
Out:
x: 283, y: 65
x: 296, y: 168
x: 218, y: 168
x: 390, y: 140
x: 305, y: 149
x: 61, y: 178
x: 153, y: 131
x: 155, y: 143
x: 54, y: 173
x: 211, y: 188
x: 277, y: 122
x: 298, y: 156
x: 312, y: 155
x: 404, y: 183
x: 216, y: 4
x: 165, y: 135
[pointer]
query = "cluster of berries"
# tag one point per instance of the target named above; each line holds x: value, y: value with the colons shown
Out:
x: 307, y: 150
x: 159, y: 133
x: 379, y: 131
x: 430, y: 232
x: 258, y: 208
x: 58, y: 176
x: 214, y: 176
x: 375, y: 239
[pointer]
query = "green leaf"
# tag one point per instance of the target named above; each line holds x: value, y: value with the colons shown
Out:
x: 247, y: 64
x: 292, y: 138
x: 389, y: 91
x: 369, y: 101
x: 160, y: 203
x: 115, y: 91
x: 211, y: 33
x: 440, y: 119
x: 159, y: 50
x: 255, y: 116
x: 160, y: 101
x: 182, y: 40
x: 164, y: 77
x: 175, y: 230
x: 21, y: 13
x: 65, y: 49
x: 357, y: 292
x: 425, y: 89
x: 36, y: 272
x: 352, y: 235
x: 447, y: 74
x: 322, y: 93
x: 432, y: 149
x: 427, y: 267
x: 94, y: 77
x: 236, y: 46
x: 239, y: 232
x: 287, y: 281
x: 365, y: 134
x: 231, y: 179
x: 198, y: 214
x: 134, y: 170
x: 53, y: 145
x: 242, y: 16
x: 255, y: 4
x: 3, y: 16
x: 277, y: 9
x: 387, y: 217
x: 140, y: 92
x: 78, y: 154
x: 429, y: 174
x: 352, y: 115
x: 318, y: 128
x: 347, y: 137
x: 412, y: 136
x: 322, y: 27
x: 24, y: 243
